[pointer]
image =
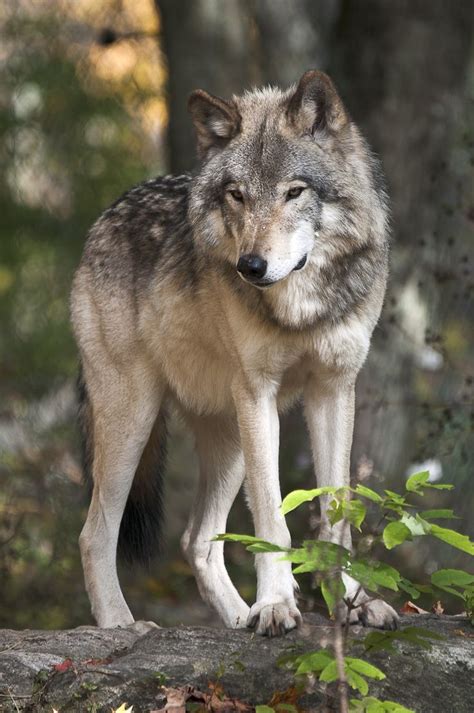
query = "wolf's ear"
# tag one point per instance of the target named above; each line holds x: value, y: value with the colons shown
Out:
x: 316, y: 104
x: 216, y: 121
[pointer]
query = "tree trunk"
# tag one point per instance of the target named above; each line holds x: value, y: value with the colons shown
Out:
x: 208, y: 45
x: 402, y: 70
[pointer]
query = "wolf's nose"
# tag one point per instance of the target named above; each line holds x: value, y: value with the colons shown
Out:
x: 252, y: 266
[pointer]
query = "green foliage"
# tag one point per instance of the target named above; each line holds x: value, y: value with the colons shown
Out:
x: 418, y: 481
x: 400, y: 522
x: 469, y: 603
x: 453, y: 538
x: 374, y: 705
x: 395, y: 533
x: 438, y: 515
x: 324, y: 664
x: 368, y: 493
x: 383, y: 640
x: 354, y: 511
x: 252, y: 544
x: 298, y: 497
x: 444, y: 577
x: 458, y: 583
x: 333, y: 590
x: 314, y: 662
x: 373, y: 574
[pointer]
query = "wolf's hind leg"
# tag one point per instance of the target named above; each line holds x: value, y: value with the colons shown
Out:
x: 124, y: 409
x: 221, y: 474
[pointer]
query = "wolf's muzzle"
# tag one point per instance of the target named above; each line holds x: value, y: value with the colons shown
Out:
x: 252, y: 267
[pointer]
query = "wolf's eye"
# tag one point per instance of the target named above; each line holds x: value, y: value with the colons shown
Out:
x: 294, y: 192
x: 237, y: 195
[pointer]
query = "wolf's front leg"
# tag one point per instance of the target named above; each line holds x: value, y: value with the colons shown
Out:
x: 329, y: 410
x: 275, y: 610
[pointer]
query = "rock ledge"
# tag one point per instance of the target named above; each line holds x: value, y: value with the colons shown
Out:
x: 110, y: 667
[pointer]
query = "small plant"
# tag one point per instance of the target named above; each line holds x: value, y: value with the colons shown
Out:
x: 399, y: 520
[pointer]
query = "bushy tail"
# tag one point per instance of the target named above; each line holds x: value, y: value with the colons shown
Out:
x: 141, y: 526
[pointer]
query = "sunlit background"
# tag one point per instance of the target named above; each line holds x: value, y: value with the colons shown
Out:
x: 92, y: 100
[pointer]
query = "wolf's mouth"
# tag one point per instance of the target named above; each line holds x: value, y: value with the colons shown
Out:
x: 301, y: 263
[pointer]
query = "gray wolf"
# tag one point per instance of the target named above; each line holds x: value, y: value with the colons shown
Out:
x: 227, y: 295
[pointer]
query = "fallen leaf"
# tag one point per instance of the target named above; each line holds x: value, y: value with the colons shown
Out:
x: 175, y: 699
x: 410, y: 608
x: 215, y: 701
x: 97, y: 662
x: 460, y: 632
x: 64, y: 666
x: 287, y: 697
x: 437, y: 608
x: 122, y: 709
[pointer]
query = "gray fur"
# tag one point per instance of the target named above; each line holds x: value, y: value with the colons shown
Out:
x: 163, y: 317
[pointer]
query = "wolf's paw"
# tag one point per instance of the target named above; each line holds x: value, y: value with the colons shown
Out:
x: 273, y: 619
x: 239, y: 618
x: 143, y: 627
x: 376, y: 613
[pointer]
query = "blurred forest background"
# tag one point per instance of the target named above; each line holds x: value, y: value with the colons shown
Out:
x: 92, y: 100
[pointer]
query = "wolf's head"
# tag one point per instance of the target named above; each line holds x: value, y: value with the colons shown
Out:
x: 282, y: 174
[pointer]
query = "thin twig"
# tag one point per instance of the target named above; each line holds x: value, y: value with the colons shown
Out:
x: 339, y: 639
x: 339, y: 654
x: 10, y: 696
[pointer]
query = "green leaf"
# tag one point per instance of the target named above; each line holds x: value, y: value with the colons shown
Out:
x: 333, y: 591
x: 310, y: 566
x: 335, y: 512
x: 355, y: 511
x: 364, y: 668
x: 329, y: 673
x: 450, y: 590
x: 448, y: 577
x: 317, y: 556
x: 417, y: 481
x: 417, y: 526
x: 368, y: 493
x: 252, y: 544
x: 439, y: 514
x: 373, y: 574
x: 453, y: 538
x: 322, y: 555
x: 356, y: 681
x: 383, y: 640
x: 379, y: 641
x: 264, y: 709
x: 352, y: 510
x: 394, y: 534
x: 374, y: 705
x: 313, y: 662
x: 409, y: 588
x: 261, y: 547
x: 298, y: 497
x: 399, y: 499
